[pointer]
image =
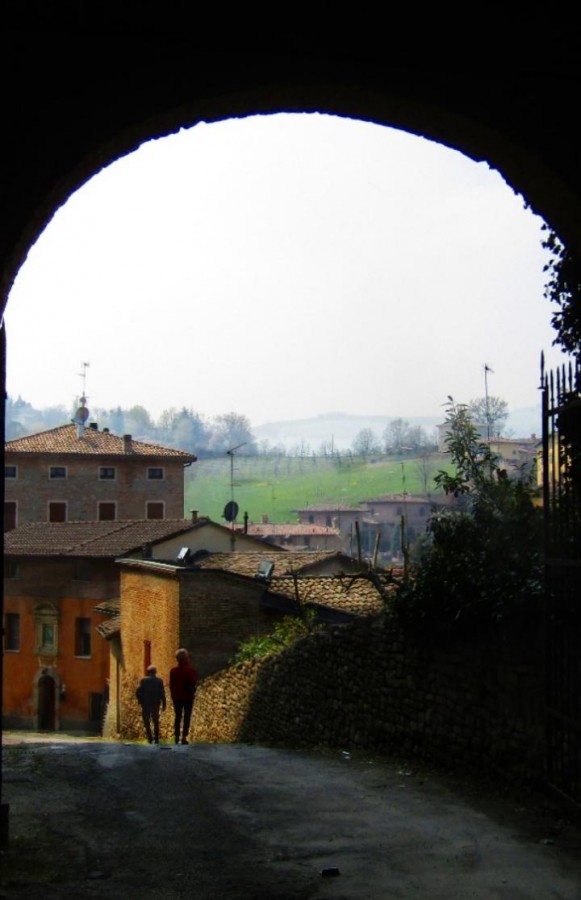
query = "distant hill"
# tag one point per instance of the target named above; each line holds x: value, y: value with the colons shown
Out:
x: 341, y: 428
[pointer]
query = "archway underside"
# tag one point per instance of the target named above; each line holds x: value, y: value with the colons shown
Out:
x: 56, y: 149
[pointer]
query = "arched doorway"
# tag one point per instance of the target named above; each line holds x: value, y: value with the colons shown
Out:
x: 46, y: 708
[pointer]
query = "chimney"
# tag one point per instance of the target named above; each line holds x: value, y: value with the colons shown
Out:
x: 265, y: 519
x: 127, y: 443
x: 194, y: 513
x: 93, y: 426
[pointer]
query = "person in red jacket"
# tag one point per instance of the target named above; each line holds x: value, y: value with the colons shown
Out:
x: 183, y: 679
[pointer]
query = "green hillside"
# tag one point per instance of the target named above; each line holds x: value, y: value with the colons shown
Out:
x: 277, y: 486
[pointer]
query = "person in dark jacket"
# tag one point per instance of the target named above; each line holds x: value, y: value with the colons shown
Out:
x: 151, y: 696
x: 183, y: 679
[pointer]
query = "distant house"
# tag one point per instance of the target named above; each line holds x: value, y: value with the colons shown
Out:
x: 62, y: 583
x: 513, y: 453
x: 334, y: 515
x: 77, y: 473
x: 295, y: 535
x: 387, y: 515
x: 379, y: 519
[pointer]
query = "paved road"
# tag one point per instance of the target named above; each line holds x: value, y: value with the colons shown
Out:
x: 93, y: 819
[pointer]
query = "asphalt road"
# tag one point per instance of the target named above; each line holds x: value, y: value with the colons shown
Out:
x: 94, y: 819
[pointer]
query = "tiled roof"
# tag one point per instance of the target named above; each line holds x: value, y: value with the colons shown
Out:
x: 247, y: 563
x: 64, y: 441
x: 329, y: 507
x: 288, y: 529
x: 108, y: 607
x: 93, y: 539
x: 109, y: 627
x: 359, y: 597
x: 406, y: 498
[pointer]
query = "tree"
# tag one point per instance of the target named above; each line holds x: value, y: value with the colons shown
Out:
x: 366, y: 443
x: 230, y: 430
x: 492, y: 412
x: 138, y: 422
x: 483, y: 561
x: 563, y: 288
x: 400, y: 436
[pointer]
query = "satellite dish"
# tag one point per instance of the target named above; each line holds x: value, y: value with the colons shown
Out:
x: 82, y: 413
x: 230, y: 511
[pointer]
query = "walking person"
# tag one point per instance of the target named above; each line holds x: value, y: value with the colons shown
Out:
x: 183, y: 679
x: 151, y: 696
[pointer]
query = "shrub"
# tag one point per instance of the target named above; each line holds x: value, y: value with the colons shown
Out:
x: 482, y: 562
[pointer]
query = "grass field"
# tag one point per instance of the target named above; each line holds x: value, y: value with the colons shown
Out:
x: 277, y: 486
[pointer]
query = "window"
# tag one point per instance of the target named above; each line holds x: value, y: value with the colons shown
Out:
x: 57, y: 511
x: 107, y: 473
x: 311, y: 520
x: 46, y: 629
x: 10, y: 516
x: 10, y: 471
x: 154, y: 510
x: 12, y: 632
x: 155, y: 474
x: 11, y: 568
x: 146, y: 655
x: 328, y: 521
x: 107, y: 512
x: 57, y: 472
x: 82, y: 637
x: 82, y: 570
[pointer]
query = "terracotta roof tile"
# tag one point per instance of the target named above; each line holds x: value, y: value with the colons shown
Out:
x: 64, y: 441
x: 359, y: 597
x: 329, y: 507
x: 110, y: 627
x: 90, y: 539
x: 247, y: 563
x: 288, y: 529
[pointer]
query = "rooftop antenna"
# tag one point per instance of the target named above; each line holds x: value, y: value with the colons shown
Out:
x: 82, y: 413
x: 83, y: 375
x: 231, y: 508
x: 487, y: 369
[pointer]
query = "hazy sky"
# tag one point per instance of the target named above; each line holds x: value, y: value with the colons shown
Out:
x: 284, y: 266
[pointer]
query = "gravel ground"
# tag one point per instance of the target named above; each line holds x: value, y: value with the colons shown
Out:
x: 97, y: 819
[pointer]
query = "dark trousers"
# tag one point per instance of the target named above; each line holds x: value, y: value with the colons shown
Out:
x: 151, y: 717
x: 182, y: 708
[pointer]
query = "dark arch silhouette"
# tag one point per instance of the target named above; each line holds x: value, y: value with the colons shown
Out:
x: 85, y: 92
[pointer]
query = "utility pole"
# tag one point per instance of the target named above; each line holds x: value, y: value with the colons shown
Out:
x: 231, y: 453
x: 487, y: 369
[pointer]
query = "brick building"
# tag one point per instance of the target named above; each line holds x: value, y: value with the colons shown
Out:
x: 209, y: 606
x: 77, y: 473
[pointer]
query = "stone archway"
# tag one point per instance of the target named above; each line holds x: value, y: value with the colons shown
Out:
x: 56, y: 142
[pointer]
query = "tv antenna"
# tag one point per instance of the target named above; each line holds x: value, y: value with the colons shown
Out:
x: 231, y: 508
x: 83, y: 375
x: 82, y: 413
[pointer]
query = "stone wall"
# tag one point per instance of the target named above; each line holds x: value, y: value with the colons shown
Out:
x: 475, y: 704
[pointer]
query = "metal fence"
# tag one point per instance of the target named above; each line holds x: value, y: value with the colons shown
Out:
x: 561, y: 482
